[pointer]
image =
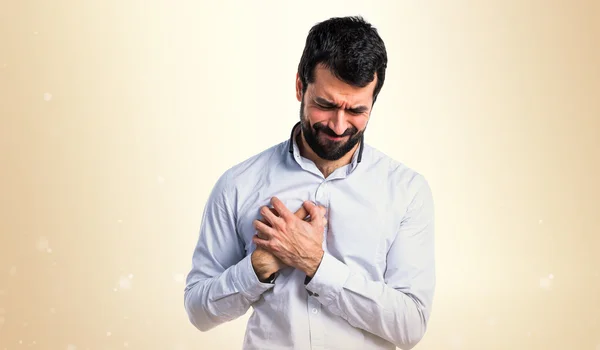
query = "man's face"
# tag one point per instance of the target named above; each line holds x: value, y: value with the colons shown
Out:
x: 333, y: 114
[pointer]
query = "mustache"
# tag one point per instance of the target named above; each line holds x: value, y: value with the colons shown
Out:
x: 325, y: 129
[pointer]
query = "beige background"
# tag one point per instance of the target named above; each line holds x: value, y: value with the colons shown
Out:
x: 117, y: 117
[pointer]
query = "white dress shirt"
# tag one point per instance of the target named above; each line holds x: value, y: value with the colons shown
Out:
x: 374, y: 287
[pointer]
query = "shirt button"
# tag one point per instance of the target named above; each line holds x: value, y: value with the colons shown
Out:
x: 314, y: 311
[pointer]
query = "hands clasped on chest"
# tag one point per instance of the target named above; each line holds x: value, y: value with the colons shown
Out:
x: 288, y: 239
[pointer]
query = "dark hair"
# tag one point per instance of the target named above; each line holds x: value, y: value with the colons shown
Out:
x: 349, y: 47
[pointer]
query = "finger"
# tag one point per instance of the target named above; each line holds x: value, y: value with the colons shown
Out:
x: 283, y: 211
x: 323, y: 210
x: 260, y: 242
x: 268, y: 245
x: 262, y: 219
x: 270, y: 218
x: 260, y: 235
x: 315, y: 212
x: 265, y: 231
x: 301, y: 213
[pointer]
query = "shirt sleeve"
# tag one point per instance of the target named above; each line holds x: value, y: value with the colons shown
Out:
x: 222, y: 283
x: 397, y: 309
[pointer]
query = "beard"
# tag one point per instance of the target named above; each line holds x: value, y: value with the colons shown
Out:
x: 326, y: 148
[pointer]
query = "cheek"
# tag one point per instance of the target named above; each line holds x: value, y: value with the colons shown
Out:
x: 316, y: 115
x: 360, y: 122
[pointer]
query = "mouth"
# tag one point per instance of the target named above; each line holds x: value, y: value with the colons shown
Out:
x: 334, y: 138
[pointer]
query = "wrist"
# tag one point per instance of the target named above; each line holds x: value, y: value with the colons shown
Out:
x: 269, y: 279
x: 262, y: 271
x: 314, y: 264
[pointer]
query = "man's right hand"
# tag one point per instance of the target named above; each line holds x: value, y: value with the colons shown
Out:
x: 265, y: 263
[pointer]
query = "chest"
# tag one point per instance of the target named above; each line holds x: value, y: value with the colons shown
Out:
x: 362, y: 218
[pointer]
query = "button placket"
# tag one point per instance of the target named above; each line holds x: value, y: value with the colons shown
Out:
x: 316, y: 324
x: 314, y: 307
x: 323, y: 200
x: 320, y: 195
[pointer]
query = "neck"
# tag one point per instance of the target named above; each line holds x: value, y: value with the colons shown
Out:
x: 326, y: 167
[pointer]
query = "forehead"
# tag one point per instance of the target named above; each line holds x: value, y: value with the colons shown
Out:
x: 328, y: 86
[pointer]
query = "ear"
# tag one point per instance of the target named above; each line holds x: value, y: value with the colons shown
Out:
x: 298, y: 88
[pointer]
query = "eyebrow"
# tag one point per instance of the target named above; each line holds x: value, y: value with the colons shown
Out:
x: 328, y: 104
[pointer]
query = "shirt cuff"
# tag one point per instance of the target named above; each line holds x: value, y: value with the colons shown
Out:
x: 329, y: 279
x: 246, y: 281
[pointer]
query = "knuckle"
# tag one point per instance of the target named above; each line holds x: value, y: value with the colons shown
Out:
x: 280, y: 223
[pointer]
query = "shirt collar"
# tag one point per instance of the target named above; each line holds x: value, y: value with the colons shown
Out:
x: 293, y: 146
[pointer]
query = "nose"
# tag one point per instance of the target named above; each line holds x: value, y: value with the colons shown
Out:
x: 338, y: 122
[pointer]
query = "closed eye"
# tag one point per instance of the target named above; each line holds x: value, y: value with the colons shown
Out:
x: 356, y: 111
x: 326, y: 107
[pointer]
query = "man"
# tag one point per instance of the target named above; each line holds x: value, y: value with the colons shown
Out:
x: 358, y: 271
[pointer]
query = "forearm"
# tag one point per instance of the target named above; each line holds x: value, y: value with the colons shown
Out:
x: 212, y: 301
x: 395, y: 315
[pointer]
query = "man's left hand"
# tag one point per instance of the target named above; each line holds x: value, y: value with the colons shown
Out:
x: 295, y: 242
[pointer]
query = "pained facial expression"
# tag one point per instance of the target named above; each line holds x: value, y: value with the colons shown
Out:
x: 333, y: 114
